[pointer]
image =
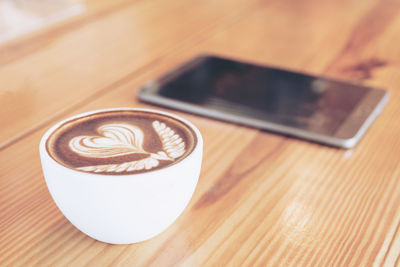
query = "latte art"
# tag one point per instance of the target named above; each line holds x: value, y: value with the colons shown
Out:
x: 172, y: 143
x: 124, y: 139
x: 118, y: 142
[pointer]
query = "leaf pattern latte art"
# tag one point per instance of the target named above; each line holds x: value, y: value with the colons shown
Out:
x: 120, y: 139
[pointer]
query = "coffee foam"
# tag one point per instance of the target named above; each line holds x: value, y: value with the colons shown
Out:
x: 121, y: 142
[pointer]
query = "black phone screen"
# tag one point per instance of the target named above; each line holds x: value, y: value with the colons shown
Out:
x: 311, y: 103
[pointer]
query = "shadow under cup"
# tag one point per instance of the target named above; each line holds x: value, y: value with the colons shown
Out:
x: 126, y: 180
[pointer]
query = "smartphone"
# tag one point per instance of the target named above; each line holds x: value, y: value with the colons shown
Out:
x: 315, y: 108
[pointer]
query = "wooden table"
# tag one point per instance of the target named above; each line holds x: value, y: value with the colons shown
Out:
x: 262, y: 198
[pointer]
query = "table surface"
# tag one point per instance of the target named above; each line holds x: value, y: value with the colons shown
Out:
x: 262, y: 198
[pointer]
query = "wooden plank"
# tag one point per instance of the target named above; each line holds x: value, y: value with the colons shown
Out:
x: 75, y: 66
x: 36, y: 40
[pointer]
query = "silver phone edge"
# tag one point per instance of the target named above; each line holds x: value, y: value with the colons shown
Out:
x: 351, y: 142
x: 264, y: 125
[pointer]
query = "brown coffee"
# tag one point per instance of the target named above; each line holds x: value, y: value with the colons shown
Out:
x: 121, y: 142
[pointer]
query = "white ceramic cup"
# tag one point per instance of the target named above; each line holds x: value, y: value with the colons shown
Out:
x: 123, y: 209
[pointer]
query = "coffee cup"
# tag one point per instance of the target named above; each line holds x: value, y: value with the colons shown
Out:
x: 122, y: 175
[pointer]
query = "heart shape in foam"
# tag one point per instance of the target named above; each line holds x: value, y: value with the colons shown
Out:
x: 122, y: 139
x: 115, y: 140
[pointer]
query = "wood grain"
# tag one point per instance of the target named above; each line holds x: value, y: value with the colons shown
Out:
x: 262, y: 199
x: 149, y: 29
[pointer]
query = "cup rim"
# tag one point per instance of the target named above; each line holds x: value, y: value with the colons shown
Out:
x: 42, y: 146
